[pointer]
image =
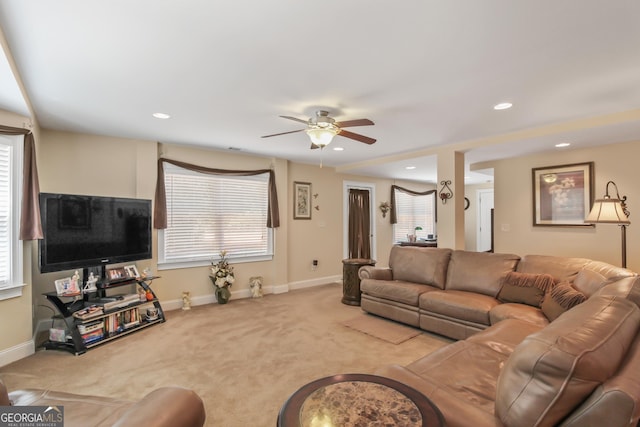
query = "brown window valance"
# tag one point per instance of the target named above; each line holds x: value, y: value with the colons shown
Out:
x: 30, y: 225
x: 394, y: 188
x: 160, y: 211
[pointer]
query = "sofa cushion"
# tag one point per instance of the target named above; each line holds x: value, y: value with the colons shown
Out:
x: 525, y: 288
x: 404, y: 292
x: 589, y: 282
x: 523, y: 312
x: 552, y: 371
x: 479, y: 272
x: 560, y: 299
x: 427, y: 266
x: 561, y: 268
x: 464, y: 306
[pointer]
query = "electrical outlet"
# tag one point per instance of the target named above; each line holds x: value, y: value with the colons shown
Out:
x: 314, y: 264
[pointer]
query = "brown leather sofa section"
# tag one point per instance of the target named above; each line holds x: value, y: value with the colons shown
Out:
x: 552, y: 371
x: 514, y: 367
x: 163, y: 407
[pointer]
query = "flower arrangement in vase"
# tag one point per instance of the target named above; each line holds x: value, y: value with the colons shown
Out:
x: 222, y: 278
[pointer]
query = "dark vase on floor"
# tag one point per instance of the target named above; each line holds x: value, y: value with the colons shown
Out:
x: 223, y: 295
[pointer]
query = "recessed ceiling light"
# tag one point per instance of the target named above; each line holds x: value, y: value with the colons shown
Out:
x: 161, y: 115
x: 338, y: 149
x: 563, y: 144
x: 410, y: 168
x: 503, y: 106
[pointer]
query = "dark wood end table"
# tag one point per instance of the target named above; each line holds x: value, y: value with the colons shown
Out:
x: 351, y: 280
x: 358, y: 399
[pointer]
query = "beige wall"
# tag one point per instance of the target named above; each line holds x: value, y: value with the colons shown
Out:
x: 514, y: 206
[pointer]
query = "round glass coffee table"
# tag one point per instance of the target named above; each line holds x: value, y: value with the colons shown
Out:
x: 358, y: 400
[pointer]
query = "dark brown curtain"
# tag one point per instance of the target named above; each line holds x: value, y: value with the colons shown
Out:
x: 359, y: 224
x: 394, y: 215
x: 30, y: 225
x: 160, y: 211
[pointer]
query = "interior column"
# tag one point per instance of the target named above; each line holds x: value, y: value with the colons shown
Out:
x: 451, y: 213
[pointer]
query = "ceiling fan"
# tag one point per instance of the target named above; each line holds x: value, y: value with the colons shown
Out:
x: 322, y: 128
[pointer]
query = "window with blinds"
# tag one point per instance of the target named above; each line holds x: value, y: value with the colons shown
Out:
x: 10, y: 246
x: 414, y: 211
x: 210, y: 213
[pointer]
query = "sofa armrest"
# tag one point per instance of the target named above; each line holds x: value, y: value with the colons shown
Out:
x: 4, y: 395
x: 166, y: 407
x: 378, y: 273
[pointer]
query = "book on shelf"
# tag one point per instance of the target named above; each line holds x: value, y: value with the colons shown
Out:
x: 90, y: 327
x: 118, y: 322
x: 93, y: 336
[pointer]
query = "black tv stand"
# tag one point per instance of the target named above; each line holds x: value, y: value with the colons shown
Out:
x: 113, y: 322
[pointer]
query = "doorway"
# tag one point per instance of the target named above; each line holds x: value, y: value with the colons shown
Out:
x: 484, y: 221
x: 358, y: 220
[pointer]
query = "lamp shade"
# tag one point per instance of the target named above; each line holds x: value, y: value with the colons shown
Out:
x: 322, y: 136
x: 607, y: 210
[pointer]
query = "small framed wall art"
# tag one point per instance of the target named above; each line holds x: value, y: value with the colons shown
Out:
x: 301, y: 200
x: 562, y: 195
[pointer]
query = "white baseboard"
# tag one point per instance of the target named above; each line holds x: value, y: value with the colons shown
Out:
x: 17, y: 352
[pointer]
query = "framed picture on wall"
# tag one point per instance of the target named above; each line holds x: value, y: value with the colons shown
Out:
x: 301, y: 200
x: 562, y: 195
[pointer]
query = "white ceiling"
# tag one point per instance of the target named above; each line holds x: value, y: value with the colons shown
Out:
x: 427, y: 72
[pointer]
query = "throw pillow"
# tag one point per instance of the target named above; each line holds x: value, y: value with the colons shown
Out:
x: 561, y: 298
x: 525, y: 288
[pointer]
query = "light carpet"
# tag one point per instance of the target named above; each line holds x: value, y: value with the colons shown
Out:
x: 381, y: 328
x: 244, y: 359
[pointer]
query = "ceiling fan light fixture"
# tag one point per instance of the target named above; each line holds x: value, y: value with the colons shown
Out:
x: 322, y: 136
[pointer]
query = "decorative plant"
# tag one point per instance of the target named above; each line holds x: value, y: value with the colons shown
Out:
x: 221, y: 272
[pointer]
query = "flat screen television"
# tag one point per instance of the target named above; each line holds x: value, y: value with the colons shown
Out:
x: 91, y: 231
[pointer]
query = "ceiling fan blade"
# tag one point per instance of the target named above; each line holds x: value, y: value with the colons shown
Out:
x: 358, y: 122
x: 306, y: 122
x: 282, y: 133
x: 356, y: 136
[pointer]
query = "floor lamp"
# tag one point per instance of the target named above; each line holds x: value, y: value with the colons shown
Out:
x: 612, y: 211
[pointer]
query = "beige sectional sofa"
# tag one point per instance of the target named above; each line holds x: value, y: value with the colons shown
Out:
x: 543, y: 340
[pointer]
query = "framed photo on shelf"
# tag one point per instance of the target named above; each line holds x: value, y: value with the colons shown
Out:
x: 301, y: 200
x: 131, y: 271
x: 116, y: 273
x: 67, y: 286
x: 562, y: 195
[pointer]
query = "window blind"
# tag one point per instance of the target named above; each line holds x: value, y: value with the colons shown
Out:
x: 210, y: 213
x: 6, y: 227
x: 414, y: 211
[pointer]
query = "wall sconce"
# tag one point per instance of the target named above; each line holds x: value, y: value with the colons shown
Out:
x: 384, y: 208
x: 445, y: 195
x: 612, y: 211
